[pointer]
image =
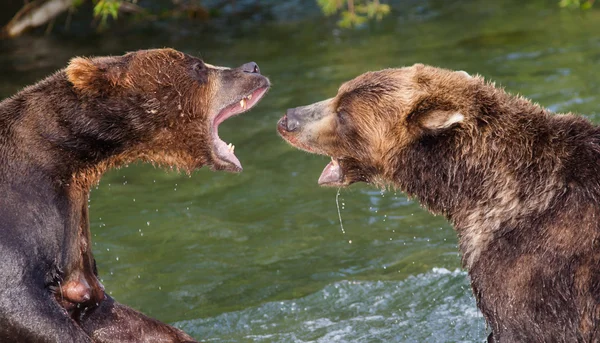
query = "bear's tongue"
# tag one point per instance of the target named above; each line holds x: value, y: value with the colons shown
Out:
x: 331, y: 175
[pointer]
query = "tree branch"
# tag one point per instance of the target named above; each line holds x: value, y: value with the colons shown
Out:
x: 35, y: 14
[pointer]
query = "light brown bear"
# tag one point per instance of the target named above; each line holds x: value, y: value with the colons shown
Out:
x: 57, y: 138
x: 520, y: 184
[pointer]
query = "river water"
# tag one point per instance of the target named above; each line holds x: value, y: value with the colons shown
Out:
x: 261, y: 256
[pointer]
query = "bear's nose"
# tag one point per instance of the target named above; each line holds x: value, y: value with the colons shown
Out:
x: 250, y: 67
x: 291, y: 120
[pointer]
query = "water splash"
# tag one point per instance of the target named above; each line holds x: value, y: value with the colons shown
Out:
x: 435, y: 306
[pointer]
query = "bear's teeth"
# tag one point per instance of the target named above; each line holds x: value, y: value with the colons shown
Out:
x: 249, y: 97
x: 334, y: 161
x: 231, y: 147
x: 243, y: 103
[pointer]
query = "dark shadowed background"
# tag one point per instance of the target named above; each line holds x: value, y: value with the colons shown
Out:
x: 261, y: 256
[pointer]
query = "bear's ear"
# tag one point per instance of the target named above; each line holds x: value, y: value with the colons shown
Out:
x: 433, y: 114
x: 440, y: 119
x: 96, y: 76
x: 464, y: 74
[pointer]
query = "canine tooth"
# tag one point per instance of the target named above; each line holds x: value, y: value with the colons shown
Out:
x: 243, y: 103
x: 232, y: 148
x: 249, y: 97
x: 334, y: 161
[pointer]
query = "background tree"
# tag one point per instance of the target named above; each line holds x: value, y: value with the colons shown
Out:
x: 583, y: 4
x: 35, y: 13
x: 354, y: 13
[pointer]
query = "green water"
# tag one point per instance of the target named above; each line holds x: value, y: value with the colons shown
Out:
x: 261, y: 256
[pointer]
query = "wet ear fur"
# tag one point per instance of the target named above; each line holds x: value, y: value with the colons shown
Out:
x: 96, y: 76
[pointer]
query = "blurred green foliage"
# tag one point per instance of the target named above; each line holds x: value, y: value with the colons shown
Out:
x: 582, y: 4
x: 106, y: 8
x: 354, y: 13
x: 350, y: 13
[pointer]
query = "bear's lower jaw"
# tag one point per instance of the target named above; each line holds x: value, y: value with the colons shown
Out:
x: 226, y: 159
x: 332, y: 175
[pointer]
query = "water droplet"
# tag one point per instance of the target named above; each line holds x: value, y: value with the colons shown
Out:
x: 337, y: 203
x: 117, y: 258
x: 148, y: 223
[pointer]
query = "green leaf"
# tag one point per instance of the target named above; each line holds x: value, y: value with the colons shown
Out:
x: 350, y: 19
x: 329, y: 7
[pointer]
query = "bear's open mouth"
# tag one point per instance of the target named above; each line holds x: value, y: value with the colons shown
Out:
x: 332, y: 175
x: 222, y: 150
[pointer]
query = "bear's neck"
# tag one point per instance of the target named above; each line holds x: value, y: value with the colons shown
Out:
x: 65, y: 137
x: 513, y: 164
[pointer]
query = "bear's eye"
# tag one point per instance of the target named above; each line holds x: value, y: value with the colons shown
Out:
x: 200, y: 72
x: 199, y: 67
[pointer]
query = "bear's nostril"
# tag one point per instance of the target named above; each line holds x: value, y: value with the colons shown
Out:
x: 292, y: 124
x: 250, y: 67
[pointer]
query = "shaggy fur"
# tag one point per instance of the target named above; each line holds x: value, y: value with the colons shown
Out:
x: 521, y: 186
x: 57, y: 137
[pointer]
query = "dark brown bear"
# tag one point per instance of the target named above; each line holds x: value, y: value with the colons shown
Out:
x: 57, y: 138
x: 520, y: 185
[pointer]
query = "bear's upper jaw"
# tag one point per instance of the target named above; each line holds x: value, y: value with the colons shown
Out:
x: 332, y: 175
x: 225, y: 158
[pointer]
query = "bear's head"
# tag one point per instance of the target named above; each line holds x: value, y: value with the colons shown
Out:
x: 377, y: 118
x: 161, y: 106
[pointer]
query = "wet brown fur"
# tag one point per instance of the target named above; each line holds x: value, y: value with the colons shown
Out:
x: 57, y: 138
x: 521, y: 186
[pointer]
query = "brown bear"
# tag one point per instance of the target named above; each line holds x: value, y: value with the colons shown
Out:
x: 520, y: 185
x: 57, y: 138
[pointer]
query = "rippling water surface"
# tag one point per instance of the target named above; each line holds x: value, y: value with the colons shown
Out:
x: 260, y: 256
